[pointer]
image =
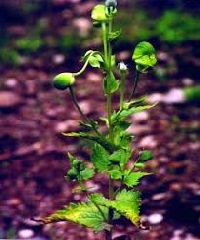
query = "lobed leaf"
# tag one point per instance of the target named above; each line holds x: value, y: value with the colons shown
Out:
x: 121, y: 156
x: 133, y: 178
x: 127, y: 203
x: 86, y: 214
x: 100, y: 158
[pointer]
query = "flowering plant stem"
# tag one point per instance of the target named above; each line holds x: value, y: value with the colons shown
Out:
x: 111, y: 150
x: 106, y: 29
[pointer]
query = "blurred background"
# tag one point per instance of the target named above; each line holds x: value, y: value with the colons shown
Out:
x: 40, y: 38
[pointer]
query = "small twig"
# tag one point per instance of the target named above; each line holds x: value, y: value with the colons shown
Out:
x: 137, y: 74
x: 74, y: 99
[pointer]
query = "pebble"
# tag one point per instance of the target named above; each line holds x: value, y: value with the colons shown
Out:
x: 93, y: 77
x: 11, y: 82
x: 155, y: 218
x: 155, y: 97
x: 187, y: 81
x: 83, y: 26
x: 148, y: 141
x: 65, y: 126
x: 175, y: 95
x: 58, y: 59
x: 25, y: 233
x: 141, y: 116
x: 9, y: 99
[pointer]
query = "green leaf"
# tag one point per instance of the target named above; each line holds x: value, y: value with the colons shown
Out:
x: 110, y: 84
x: 132, y: 179
x: 121, y: 137
x: 85, y: 214
x: 99, y: 139
x: 127, y: 203
x: 115, y: 174
x: 145, y: 156
x: 124, y: 113
x: 139, y: 164
x: 100, y: 158
x: 142, y: 101
x: 144, y: 56
x: 114, y: 35
x: 94, y: 58
x: 121, y: 156
x: 87, y: 173
x: 99, y: 13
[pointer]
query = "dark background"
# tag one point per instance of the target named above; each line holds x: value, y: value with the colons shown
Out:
x: 41, y: 38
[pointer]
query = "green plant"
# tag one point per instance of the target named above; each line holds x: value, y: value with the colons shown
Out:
x: 111, y: 152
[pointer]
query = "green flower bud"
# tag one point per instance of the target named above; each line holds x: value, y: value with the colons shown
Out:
x: 63, y: 81
x: 99, y: 13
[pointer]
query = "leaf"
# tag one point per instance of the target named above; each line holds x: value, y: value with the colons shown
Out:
x: 94, y: 58
x: 124, y: 113
x: 121, y: 138
x: 95, y: 61
x: 145, y: 156
x: 85, y: 214
x: 139, y: 164
x: 99, y: 139
x: 121, y: 156
x: 87, y: 173
x: 114, y: 35
x: 115, y: 174
x: 142, y: 101
x: 144, y: 56
x: 127, y: 203
x: 132, y: 179
x: 110, y: 84
x: 100, y: 158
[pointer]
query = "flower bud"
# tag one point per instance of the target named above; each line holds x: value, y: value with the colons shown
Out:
x: 63, y: 81
x: 111, y: 3
x: 111, y: 6
x: 122, y: 67
x: 99, y: 13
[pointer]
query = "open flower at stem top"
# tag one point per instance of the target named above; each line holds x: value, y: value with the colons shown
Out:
x: 63, y: 80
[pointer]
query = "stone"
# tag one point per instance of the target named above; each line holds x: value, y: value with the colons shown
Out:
x: 9, y: 99
x: 148, y: 142
x: 155, y: 218
x: 25, y: 233
x: 175, y: 95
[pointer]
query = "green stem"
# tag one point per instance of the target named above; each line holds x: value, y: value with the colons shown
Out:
x: 137, y: 75
x: 108, y: 63
x: 74, y: 99
x: 86, y: 63
x: 105, y: 44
